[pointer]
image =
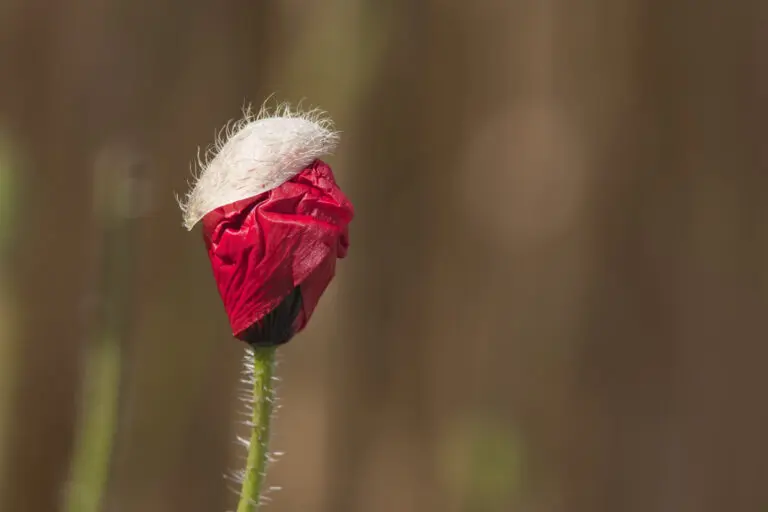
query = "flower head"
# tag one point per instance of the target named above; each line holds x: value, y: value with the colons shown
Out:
x: 274, y: 220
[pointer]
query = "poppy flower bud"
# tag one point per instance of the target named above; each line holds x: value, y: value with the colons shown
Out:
x: 274, y: 222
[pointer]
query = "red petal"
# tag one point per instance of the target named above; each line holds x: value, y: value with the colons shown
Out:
x: 262, y: 247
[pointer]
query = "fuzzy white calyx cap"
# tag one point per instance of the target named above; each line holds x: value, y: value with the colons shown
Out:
x: 258, y: 153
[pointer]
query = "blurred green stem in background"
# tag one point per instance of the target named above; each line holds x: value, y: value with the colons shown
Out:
x: 261, y: 368
x: 8, y: 317
x: 117, y: 204
x: 96, y: 431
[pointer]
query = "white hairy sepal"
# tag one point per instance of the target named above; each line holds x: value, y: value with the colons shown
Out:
x: 256, y: 154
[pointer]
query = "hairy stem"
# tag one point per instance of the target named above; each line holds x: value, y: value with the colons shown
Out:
x: 258, y: 454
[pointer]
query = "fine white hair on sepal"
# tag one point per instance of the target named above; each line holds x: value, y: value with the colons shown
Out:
x: 255, y: 154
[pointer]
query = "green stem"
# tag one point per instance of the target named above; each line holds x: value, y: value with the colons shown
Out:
x: 116, y: 200
x: 94, y: 447
x: 263, y: 397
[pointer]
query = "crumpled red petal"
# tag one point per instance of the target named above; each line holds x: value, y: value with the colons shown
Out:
x: 262, y: 247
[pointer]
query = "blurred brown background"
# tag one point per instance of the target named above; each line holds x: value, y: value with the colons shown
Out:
x: 555, y: 299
